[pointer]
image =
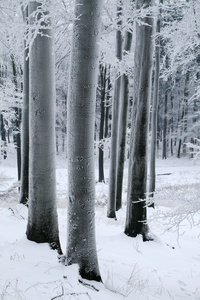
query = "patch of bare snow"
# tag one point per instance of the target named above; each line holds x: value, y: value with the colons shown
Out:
x: 167, y: 268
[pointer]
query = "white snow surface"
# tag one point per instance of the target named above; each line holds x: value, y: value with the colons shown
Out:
x: 166, y: 268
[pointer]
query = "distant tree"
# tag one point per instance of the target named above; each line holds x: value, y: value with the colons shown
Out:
x: 42, y: 214
x: 136, y: 218
x: 3, y: 137
x: 107, y: 107
x: 81, y: 244
x: 179, y: 68
x: 18, y: 115
x: 103, y: 84
x: 10, y: 60
x: 103, y: 112
x: 184, y: 116
x: 165, y: 114
x: 62, y: 12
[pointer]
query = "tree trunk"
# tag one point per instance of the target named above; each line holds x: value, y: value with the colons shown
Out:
x: 42, y: 214
x: 3, y: 137
x: 136, y: 217
x: 183, y: 120
x: 185, y: 115
x: 18, y: 140
x: 154, y: 118
x: 25, y: 122
x: 122, y: 126
x: 111, y: 210
x: 164, y: 153
x: 172, y: 122
x: 103, y: 74
x: 81, y: 244
x: 179, y: 148
x: 17, y: 120
x: 107, y: 108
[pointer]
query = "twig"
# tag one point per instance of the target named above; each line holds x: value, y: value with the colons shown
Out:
x: 59, y: 295
x: 71, y: 294
x: 87, y: 284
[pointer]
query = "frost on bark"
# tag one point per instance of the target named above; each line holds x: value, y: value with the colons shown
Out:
x: 42, y: 215
x: 136, y: 216
x: 122, y: 126
x: 111, y: 210
x: 154, y: 118
x: 25, y: 122
x: 81, y: 242
x: 103, y: 75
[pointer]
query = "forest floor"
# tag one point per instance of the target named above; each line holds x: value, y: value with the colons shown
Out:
x: 166, y: 268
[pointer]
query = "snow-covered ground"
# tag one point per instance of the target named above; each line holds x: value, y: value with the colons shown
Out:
x: 166, y: 268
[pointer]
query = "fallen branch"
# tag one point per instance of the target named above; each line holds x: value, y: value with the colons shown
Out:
x: 59, y: 295
x: 87, y: 284
x: 164, y: 174
x: 70, y: 294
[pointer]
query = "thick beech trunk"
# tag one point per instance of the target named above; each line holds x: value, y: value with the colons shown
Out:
x: 81, y: 243
x: 136, y: 217
x: 42, y: 214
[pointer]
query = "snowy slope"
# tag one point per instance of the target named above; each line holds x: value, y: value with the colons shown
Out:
x: 167, y: 268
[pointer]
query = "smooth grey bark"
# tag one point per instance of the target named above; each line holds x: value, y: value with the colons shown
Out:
x: 107, y: 108
x: 136, y: 217
x: 111, y: 209
x: 179, y: 148
x: 81, y: 241
x: 25, y: 122
x: 165, y: 120
x: 42, y: 214
x: 184, y: 117
x: 3, y: 137
x: 164, y: 150
x: 185, y: 110
x: 103, y: 74
x: 122, y: 126
x: 172, y: 122
x: 154, y: 116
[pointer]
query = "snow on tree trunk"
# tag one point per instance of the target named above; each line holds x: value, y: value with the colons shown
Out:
x: 25, y: 123
x: 123, y: 112
x: 81, y: 242
x: 42, y: 215
x: 107, y: 104
x: 103, y: 74
x: 111, y: 210
x: 136, y: 217
x: 152, y: 181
